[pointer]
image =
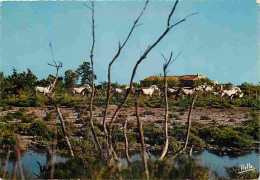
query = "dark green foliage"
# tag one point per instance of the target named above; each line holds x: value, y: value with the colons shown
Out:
x: 84, y: 70
x: 70, y: 78
x: 154, y: 134
x: 50, y: 116
x: 226, y: 136
x: 40, y: 129
x: 250, y: 127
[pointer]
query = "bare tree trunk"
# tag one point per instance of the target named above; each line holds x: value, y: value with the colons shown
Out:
x: 92, y: 81
x: 126, y: 143
x: 189, y: 122
x: 147, y: 51
x: 64, y: 131
x: 166, y: 143
x: 108, y: 93
x: 140, y: 127
x: 188, y: 130
x: 50, y: 97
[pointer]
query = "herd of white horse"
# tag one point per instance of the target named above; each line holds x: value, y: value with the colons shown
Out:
x: 232, y: 92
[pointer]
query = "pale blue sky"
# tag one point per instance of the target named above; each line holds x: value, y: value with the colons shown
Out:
x: 221, y: 42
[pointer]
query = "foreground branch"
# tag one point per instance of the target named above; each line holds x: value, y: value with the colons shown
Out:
x: 92, y: 81
x: 50, y: 97
x: 140, y: 127
x: 168, y: 28
x: 183, y: 148
x: 108, y: 94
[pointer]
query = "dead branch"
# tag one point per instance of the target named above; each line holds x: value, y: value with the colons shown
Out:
x: 92, y: 80
x: 140, y: 127
x: 120, y: 47
x: 183, y: 148
x: 168, y: 28
x: 50, y: 97
x: 165, y: 66
x: 165, y: 148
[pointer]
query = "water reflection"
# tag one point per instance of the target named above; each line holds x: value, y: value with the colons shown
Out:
x: 29, y: 163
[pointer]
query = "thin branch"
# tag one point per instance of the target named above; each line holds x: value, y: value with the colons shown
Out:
x: 168, y: 28
x: 92, y: 80
x: 120, y: 47
x: 87, y: 6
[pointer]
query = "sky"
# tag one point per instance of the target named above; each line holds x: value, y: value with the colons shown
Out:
x: 221, y: 42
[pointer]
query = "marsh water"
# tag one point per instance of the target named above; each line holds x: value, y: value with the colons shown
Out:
x: 215, y: 163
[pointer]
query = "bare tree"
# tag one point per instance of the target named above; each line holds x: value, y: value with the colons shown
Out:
x: 183, y: 148
x: 92, y: 80
x: 143, y: 149
x: 120, y: 47
x: 50, y: 97
x: 168, y: 28
x: 165, y: 66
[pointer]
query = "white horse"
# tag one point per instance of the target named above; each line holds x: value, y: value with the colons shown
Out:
x: 119, y: 91
x: 229, y: 93
x: 79, y: 90
x: 208, y: 89
x: 188, y: 91
x: 238, y: 95
x: 171, y: 91
x: 149, y: 91
x: 232, y: 92
x: 44, y: 90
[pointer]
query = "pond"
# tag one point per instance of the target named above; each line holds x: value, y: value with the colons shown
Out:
x: 30, y: 165
x: 215, y: 163
x: 218, y: 163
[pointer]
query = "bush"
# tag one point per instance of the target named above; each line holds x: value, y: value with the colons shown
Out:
x: 226, y: 136
x: 50, y: 116
x: 39, y: 128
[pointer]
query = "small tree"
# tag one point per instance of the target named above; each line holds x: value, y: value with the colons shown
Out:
x: 30, y: 79
x: 70, y: 78
x: 85, y: 72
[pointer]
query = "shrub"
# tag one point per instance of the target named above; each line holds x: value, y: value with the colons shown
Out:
x: 50, y: 116
x: 39, y: 128
x: 154, y: 134
x: 226, y: 136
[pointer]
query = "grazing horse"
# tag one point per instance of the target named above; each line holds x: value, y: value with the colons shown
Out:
x: 238, y: 95
x: 119, y: 91
x: 208, y: 89
x: 88, y: 90
x: 79, y: 90
x: 44, y: 90
x: 187, y: 91
x: 229, y: 93
x: 148, y: 91
x: 171, y: 91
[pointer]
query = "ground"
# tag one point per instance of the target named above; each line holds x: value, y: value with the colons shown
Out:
x: 203, y: 116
